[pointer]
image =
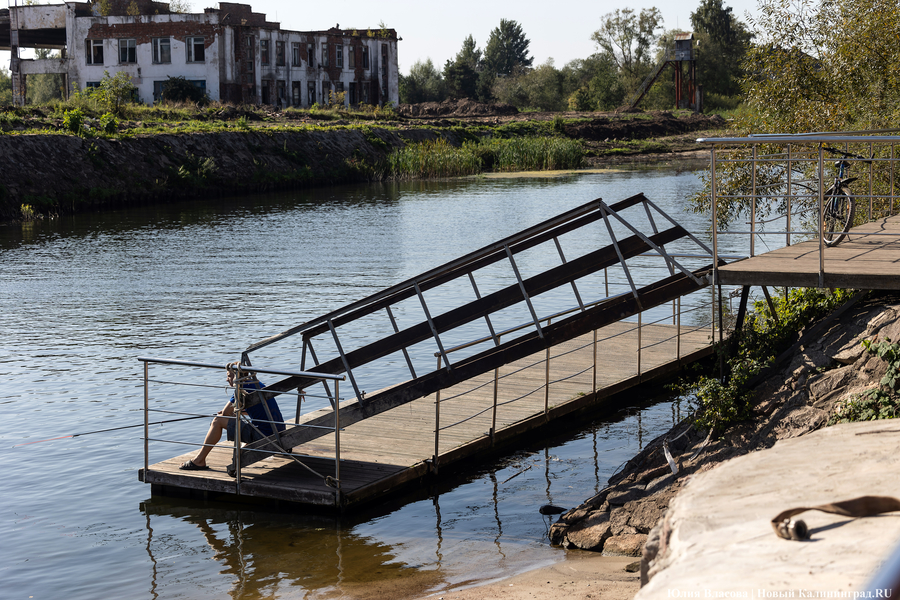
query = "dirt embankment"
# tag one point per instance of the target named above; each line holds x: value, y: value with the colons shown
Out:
x: 62, y: 174
x: 795, y: 399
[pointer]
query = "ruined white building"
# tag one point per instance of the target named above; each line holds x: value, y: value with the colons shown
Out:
x: 232, y: 53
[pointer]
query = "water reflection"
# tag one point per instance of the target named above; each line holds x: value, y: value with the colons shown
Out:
x: 457, y: 530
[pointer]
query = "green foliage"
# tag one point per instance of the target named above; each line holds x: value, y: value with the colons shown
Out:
x: 115, y: 92
x: 718, y: 403
x: 44, y: 87
x: 539, y: 88
x: 243, y: 123
x: 5, y: 87
x: 827, y: 66
x: 881, y: 402
x: 109, y: 123
x: 73, y: 121
x: 179, y: 89
x: 721, y: 45
x: 506, y: 49
x: 627, y: 37
x: 461, y: 74
x: 195, y: 171
x: 423, y: 84
x: 433, y: 159
x: 441, y: 159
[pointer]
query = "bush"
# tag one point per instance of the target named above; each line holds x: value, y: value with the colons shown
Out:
x: 109, y: 123
x: 179, y: 89
x: 73, y: 120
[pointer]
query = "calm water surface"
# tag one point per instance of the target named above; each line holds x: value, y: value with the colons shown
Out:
x: 82, y: 297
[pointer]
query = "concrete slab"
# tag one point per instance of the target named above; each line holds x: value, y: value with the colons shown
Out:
x: 717, y: 541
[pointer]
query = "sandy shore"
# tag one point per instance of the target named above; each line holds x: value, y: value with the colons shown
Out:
x: 580, y: 576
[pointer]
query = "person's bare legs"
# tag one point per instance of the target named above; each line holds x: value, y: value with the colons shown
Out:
x: 214, y: 434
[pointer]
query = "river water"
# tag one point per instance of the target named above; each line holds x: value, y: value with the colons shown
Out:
x: 82, y: 297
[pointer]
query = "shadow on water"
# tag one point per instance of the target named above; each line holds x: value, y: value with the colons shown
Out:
x: 474, y: 524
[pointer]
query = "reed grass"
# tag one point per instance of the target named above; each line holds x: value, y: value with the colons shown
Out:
x: 433, y: 159
x: 440, y: 159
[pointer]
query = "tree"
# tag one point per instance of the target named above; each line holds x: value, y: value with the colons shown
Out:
x: 628, y: 37
x: 179, y: 89
x: 722, y: 43
x: 825, y: 68
x: 461, y: 74
x: 507, y: 48
x: 5, y: 87
x: 423, y: 84
x: 42, y: 88
x: 115, y: 91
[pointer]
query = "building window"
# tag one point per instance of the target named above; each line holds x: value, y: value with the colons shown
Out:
x: 351, y: 57
x: 162, y: 50
x: 91, y: 84
x: 353, y: 99
x: 295, y: 54
x: 339, y: 50
x: 248, y: 52
x: 364, y: 88
x: 280, y: 93
x: 127, y: 51
x: 94, y: 51
x: 264, y: 54
x: 266, y: 94
x: 296, y: 93
x: 324, y: 62
x: 365, y: 58
x: 310, y: 55
x: 311, y: 93
x: 196, y: 49
x: 279, y: 54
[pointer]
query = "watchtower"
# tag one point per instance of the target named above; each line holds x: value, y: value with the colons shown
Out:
x: 683, y: 61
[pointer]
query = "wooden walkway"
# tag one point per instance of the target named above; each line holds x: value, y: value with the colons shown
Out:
x: 864, y: 261
x: 382, y: 453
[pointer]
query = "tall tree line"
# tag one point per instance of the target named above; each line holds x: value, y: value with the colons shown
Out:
x: 629, y: 44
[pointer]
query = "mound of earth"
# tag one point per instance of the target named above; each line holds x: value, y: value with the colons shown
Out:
x: 797, y: 398
x: 462, y: 107
x: 656, y: 124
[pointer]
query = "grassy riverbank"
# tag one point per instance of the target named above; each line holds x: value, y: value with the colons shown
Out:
x: 76, y: 156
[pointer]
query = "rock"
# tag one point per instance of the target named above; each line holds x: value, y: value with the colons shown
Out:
x: 850, y: 353
x: 590, y: 533
x: 633, y: 567
x: 625, y: 545
x: 620, y: 498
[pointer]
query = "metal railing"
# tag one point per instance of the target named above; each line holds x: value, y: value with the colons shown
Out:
x: 788, y: 175
x: 241, y: 371
x: 676, y: 319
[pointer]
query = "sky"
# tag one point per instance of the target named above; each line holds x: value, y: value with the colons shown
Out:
x: 557, y: 29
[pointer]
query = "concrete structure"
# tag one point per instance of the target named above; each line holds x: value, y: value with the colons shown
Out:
x: 716, y: 540
x: 232, y: 53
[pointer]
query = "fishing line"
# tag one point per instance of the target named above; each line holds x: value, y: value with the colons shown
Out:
x: 74, y: 435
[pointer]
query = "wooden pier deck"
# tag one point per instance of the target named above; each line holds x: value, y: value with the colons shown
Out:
x: 383, y: 453
x: 865, y: 261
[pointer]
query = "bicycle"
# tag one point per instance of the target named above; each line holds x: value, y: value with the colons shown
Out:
x: 839, y: 207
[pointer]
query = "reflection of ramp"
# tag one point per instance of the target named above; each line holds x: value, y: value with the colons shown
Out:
x: 521, y: 294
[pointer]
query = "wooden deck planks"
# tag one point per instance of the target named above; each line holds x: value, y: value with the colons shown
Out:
x: 391, y: 448
x: 862, y: 261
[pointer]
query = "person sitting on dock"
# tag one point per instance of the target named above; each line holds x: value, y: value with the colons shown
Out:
x: 225, y: 420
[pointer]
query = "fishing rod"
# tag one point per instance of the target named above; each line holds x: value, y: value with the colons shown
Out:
x: 75, y: 435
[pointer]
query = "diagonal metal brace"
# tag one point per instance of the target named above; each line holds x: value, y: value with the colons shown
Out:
x: 337, y: 343
x: 434, y: 331
x: 512, y: 261
x: 604, y: 210
x: 671, y: 261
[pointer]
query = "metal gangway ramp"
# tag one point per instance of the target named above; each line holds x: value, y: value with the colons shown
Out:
x: 446, y: 363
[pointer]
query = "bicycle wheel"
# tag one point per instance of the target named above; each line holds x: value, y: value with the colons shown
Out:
x: 839, y: 211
